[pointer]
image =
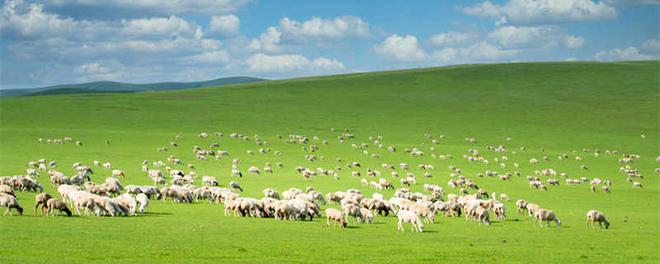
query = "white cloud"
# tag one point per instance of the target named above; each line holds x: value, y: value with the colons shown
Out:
x: 651, y: 46
x: 209, y: 57
x: 649, y: 50
x: 573, y: 42
x: 99, y: 70
x: 166, y: 7
x: 159, y: 26
x: 533, y: 36
x: 631, y: 2
x: 544, y: 11
x: 478, y: 52
x: 323, y: 31
x: 224, y: 25
x: 453, y: 38
x: 339, y: 27
x: 400, y: 48
x: 268, y: 41
x: 62, y: 49
x: 20, y: 20
x: 291, y: 62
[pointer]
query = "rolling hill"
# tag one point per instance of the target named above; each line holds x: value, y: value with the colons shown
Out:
x: 119, y: 87
x: 543, y: 111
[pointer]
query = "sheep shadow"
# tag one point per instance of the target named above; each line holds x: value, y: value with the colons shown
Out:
x: 154, y: 214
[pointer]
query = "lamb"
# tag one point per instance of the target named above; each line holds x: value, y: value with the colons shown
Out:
x: 597, y: 216
x: 336, y: 216
x: 409, y: 217
x: 547, y: 216
x: 53, y: 204
x: 638, y: 185
x: 143, y: 200
x: 521, y: 205
x: 10, y: 202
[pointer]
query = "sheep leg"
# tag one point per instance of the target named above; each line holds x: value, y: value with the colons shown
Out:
x: 6, y: 211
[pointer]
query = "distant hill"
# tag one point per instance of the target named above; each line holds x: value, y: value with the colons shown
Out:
x: 119, y: 87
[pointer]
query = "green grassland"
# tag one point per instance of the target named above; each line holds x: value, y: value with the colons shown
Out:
x: 557, y: 107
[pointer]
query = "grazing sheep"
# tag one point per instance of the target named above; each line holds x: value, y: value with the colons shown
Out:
x: 605, y: 188
x: 4, y: 188
x: 209, y: 181
x: 521, y: 205
x: 546, y: 215
x: 118, y: 173
x: 336, y: 216
x: 40, y: 200
x: 597, y: 216
x: 367, y: 215
x: 53, y: 204
x: 235, y: 185
x: 638, y: 185
x: 143, y: 200
x: 10, y: 202
x: 271, y: 193
x: 409, y: 217
x: 127, y: 201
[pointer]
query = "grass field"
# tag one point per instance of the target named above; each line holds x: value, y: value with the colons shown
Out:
x: 558, y: 107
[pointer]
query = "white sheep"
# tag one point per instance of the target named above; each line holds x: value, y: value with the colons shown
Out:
x: 143, y: 200
x: 9, y: 202
x: 546, y: 215
x: 336, y: 216
x: 597, y: 216
x: 409, y: 217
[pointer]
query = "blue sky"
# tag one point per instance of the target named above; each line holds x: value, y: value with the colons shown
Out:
x: 69, y: 41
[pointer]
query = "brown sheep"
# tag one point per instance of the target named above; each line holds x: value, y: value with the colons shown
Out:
x: 40, y: 200
x: 53, y: 204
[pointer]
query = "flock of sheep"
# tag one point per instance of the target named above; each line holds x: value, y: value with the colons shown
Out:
x: 80, y: 195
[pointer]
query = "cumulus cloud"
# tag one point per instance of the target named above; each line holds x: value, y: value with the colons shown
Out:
x: 19, y: 20
x: 573, y: 42
x: 224, y: 25
x: 291, y: 62
x: 268, y: 41
x: 649, y: 50
x: 110, y: 70
x: 544, y: 11
x: 63, y: 49
x: 452, y: 38
x: 209, y: 57
x: 144, y: 7
x: 320, y: 30
x: 478, y: 52
x: 651, y: 46
x: 400, y: 48
x: 339, y: 27
x: 534, y: 36
x: 159, y: 26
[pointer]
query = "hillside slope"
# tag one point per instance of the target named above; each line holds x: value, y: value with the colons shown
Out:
x: 119, y: 87
x: 536, y: 110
